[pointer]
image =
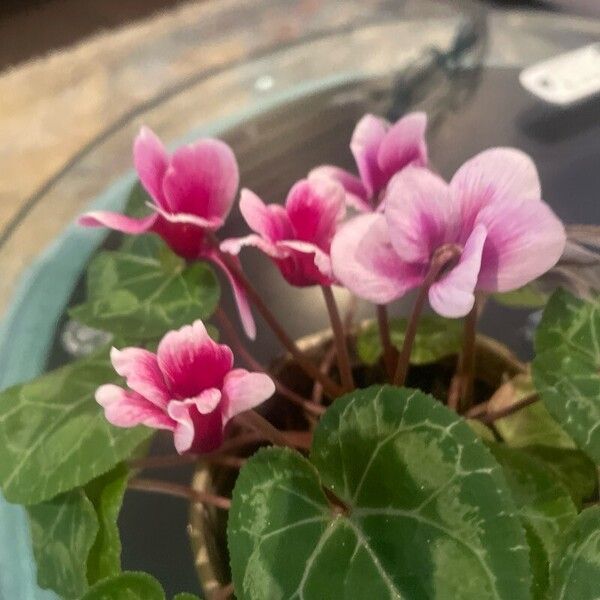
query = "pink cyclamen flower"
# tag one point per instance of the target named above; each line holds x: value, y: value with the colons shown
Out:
x: 491, y: 214
x: 381, y: 150
x: 192, y: 192
x: 188, y: 387
x: 296, y: 237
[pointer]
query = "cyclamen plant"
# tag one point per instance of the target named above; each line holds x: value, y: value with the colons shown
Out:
x: 479, y: 481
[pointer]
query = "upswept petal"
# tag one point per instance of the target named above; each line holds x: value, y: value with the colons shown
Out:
x: 356, y: 195
x: 195, y: 431
x: 140, y: 369
x: 524, y: 241
x: 452, y: 295
x: 366, y: 140
x: 315, y: 209
x: 243, y: 391
x: 404, y: 144
x: 419, y: 214
x: 151, y: 161
x: 492, y: 176
x: 128, y: 409
x: 235, y: 245
x: 321, y: 259
x: 271, y: 222
x: 180, y: 218
x: 239, y: 294
x: 190, y: 360
x: 365, y: 262
x: 118, y: 222
x: 202, y: 179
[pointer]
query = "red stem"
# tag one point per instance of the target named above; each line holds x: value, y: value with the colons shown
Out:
x: 389, y: 352
x: 441, y: 258
x: 180, y: 491
x: 343, y: 357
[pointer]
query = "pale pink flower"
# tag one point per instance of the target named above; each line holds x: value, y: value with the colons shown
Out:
x: 192, y: 192
x: 491, y: 213
x: 296, y: 237
x: 380, y: 150
x: 188, y: 387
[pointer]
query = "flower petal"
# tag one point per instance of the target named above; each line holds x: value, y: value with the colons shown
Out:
x: 365, y: 262
x: 524, y: 241
x: 356, y: 195
x: 196, y: 431
x: 239, y: 294
x: 201, y: 180
x: 419, y: 214
x: 151, y: 161
x: 452, y: 295
x: 235, y: 245
x: 201, y: 223
x: 366, y: 140
x: 192, y: 362
x: 118, y: 222
x: 271, y: 222
x: 404, y: 144
x: 243, y: 391
x: 128, y: 409
x: 495, y: 175
x: 315, y: 207
x: 141, y: 371
x: 321, y: 261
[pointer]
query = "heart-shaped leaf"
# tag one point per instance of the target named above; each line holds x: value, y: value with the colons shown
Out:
x: 575, y: 575
x: 423, y: 510
x: 543, y: 503
x: 75, y: 536
x: 529, y: 296
x: 435, y: 339
x: 126, y: 586
x: 566, y: 370
x: 53, y: 434
x: 141, y: 298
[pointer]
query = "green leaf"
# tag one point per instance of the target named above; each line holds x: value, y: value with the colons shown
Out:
x: 435, y: 339
x: 75, y: 536
x: 530, y: 425
x: 529, y: 296
x: 543, y: 503
x: 572, y: 467
x: 566, y: 370
x: 575, y: 575
x: 141, y: 298
x: 127, y: 586
x: 53, y: 434
x: 429, y: 514
x: 106, y: 495
x: 63, y: 530
x: 185, y: 596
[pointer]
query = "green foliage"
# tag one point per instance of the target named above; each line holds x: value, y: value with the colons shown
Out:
x: 575, y: 574
x: 141, y: 297
x: 543, y: 503
x: 53, y: 434
x: 126, y: 586
x: 75, y: 536
x: 428, y: 513
x: 436, y: 338
x: 566, y: 370
x: 529, y: 296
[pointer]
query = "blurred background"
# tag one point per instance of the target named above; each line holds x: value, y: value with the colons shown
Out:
x: 283, y: 81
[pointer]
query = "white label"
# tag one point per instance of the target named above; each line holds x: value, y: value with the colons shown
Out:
x: 566, y: 79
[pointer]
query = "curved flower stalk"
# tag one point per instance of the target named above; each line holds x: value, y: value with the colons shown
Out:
x: 192, y: 192
x: 380, y: 150
x: 490, y: 222
x: 188, y: 387
x: 297, y: 237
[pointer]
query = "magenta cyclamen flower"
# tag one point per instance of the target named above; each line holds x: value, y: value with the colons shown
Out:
x: 193, y: 192
x: 380, y: 150
x: 188, y: 387
x: 490, y: 217
x: 296, y: 237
